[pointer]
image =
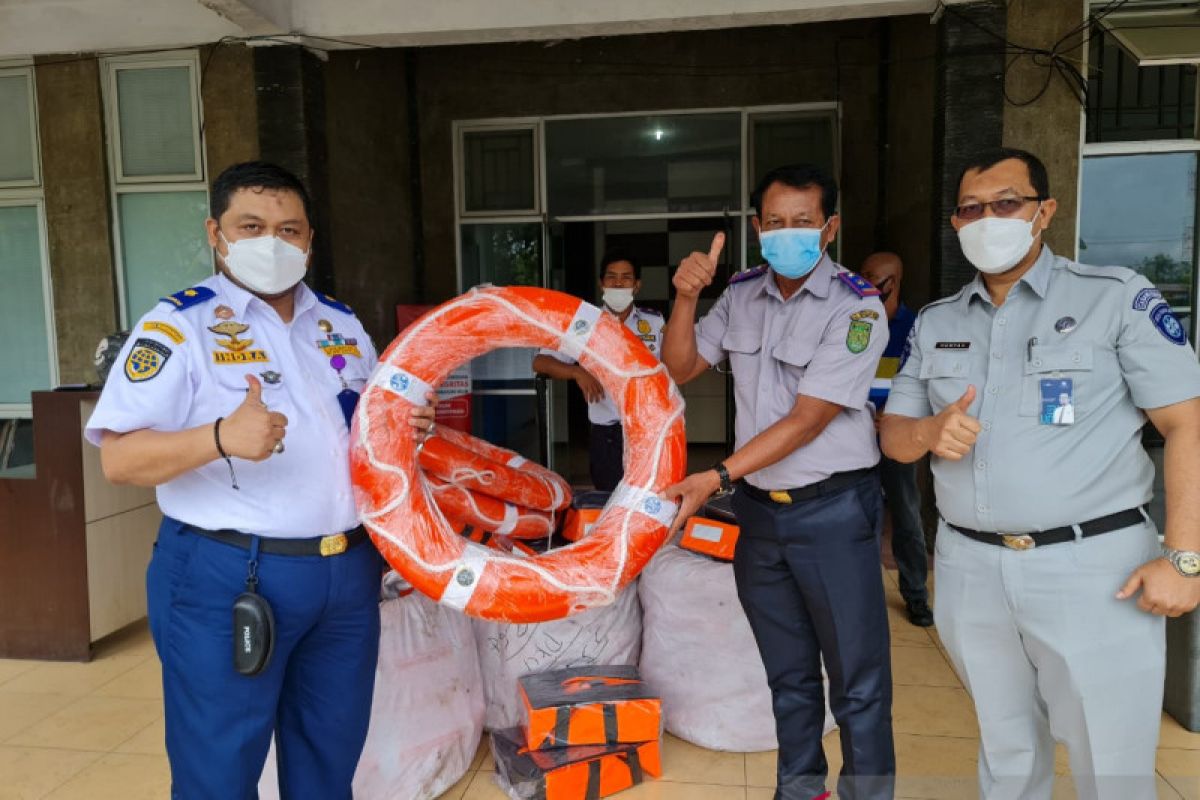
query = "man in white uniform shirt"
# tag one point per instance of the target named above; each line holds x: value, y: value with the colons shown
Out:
x: 620, y: 281
x: 233, y: 399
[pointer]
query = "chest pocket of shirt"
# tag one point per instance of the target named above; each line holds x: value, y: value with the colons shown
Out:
x: 1057, y: 361
x: 946, y: 374
x: 794, y: 355
x: 742, y: 344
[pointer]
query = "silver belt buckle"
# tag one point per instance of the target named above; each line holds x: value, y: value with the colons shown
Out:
x: 1018, y: 541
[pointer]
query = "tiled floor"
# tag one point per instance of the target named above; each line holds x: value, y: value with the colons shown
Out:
x: 95, y: 732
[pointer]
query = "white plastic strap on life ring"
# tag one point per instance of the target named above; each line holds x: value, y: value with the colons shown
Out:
x: 396, y: 502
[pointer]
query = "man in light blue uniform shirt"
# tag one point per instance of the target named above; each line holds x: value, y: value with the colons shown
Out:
x: 802, y: 336
x: 233, y: 399
x: 1051, y: 582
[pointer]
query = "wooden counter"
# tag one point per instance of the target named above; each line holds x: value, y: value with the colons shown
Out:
x: 73, y: 547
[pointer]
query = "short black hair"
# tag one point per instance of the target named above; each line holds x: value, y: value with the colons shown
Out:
x: 990, y: 158
x: 799, y: 176
x: 255, y: 175
x: 615, y: 254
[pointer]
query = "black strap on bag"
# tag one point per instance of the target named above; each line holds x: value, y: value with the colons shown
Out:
x: 253, y: 623
x: 610, y: 723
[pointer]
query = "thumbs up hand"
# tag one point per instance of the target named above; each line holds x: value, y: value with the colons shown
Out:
x: 697, y: 270
x: 954, y: 431
x: 253, y: 431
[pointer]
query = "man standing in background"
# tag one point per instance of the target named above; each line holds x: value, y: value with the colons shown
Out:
x: 886, y: 271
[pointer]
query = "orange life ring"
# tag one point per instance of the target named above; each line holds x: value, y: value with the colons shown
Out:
x: 489, y: 513
x: 472, y: 463
x: 396, y: 503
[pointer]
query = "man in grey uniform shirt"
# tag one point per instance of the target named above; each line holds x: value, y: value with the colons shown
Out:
x: 1051, y: 583
x: 803, y: 337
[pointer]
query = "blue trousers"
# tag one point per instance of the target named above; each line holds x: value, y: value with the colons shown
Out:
x: 315, y: 695
x: 809, y: 578
x: 908, y: 536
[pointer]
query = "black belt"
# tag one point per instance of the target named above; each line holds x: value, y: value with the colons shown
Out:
x: 1028, y: 541
x: 834, y: 483
x: 332, y: 545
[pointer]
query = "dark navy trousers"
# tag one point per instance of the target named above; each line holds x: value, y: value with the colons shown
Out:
x: 908, y: 535
x: 809, y: 578
x: 315, y: 695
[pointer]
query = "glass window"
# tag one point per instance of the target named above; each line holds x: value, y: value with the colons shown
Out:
x: 157, y: 122
x: 18, y: 154
x: 644, y: 164
x: 505, y: 255
x: 1139, y: 211
x: 1131, y: 103
x: 25, y: 357
x: 791, y: 138
x: 163, y: 245
x: 498, y: 171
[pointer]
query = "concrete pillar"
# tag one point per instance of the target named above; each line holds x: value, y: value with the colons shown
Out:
x: 1050, y: 126
x: 79, y: 229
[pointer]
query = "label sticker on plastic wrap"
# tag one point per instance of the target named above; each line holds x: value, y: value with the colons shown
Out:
x: 463, y: 583
x: 644, y: 501
x: 706, y: 533
x: 408, y: 386
x: 576, y: 337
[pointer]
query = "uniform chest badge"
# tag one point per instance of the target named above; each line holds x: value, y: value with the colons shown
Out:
x: 334, y: 344
x: 643, y: 326
x: 146, y: 360
x: 236, y: 351
x: 223, y: 312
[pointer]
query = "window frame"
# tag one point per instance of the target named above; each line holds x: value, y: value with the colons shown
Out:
x: 28, y: 71
x: 112, y: 66
x: 118, y: 185
x: 461, y: 130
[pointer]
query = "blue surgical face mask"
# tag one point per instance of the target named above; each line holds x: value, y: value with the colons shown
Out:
x: 792, y: 252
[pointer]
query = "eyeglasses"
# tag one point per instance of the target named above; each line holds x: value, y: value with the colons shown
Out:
x: 1004, y: 207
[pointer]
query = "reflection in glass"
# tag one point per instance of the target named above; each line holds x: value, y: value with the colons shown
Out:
x: 158, y: 124
x: 498, y: 173
x: 792, y: 138
x: 163, y: 245
x: 25, y: 357
x: 644, y: 164
x: 16, y: 130
x: 1139, y: 211
x: 505, y: 255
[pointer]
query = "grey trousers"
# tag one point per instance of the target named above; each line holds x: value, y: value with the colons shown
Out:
x: 1049, y: 654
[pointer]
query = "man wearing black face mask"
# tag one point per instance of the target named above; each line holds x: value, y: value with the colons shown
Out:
x: 886, y: 271
x: 620, y: 280
x: 262, y: 589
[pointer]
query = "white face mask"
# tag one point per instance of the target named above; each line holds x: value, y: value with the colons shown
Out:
x: 618, y: 299
x: 265, y: 264
x: 996, y: 244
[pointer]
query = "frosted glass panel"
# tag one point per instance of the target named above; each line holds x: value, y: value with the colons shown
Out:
x: 16, y: 132
x: 163, y: 246
x: 25, y: 357
x: 158, y: 128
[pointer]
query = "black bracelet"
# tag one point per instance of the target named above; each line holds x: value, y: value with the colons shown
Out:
x: 224, y: 455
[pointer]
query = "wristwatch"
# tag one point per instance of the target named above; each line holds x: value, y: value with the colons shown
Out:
x: 1186, y: 562
x: 726, y: 483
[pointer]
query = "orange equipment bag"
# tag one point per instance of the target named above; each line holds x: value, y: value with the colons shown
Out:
x: 572, y: 773
x: 586, y: 508
x: 589, y: 705
x: 714, y: 532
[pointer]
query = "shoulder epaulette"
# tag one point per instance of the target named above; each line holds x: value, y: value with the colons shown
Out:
x: 950, y: 298
x: 189, y: 297
x: 748, y: 274
x: 1122, y: 274
x: 858, y: 284
x: 332, y: 303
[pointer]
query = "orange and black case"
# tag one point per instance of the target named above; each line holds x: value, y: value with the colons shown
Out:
x: 583, y: 772
x: 589, y: 705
